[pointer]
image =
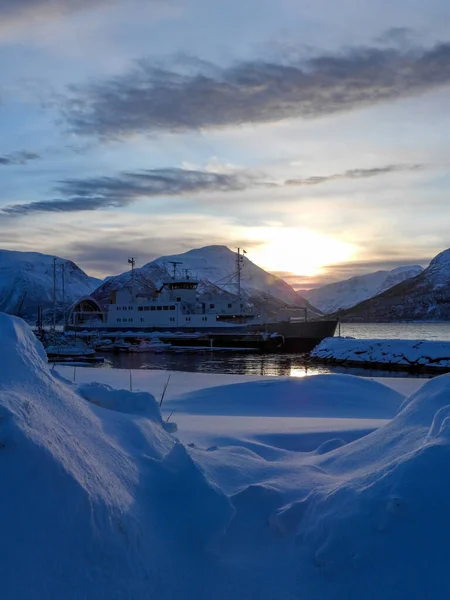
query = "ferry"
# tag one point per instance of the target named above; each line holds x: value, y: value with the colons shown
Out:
x: 177, y: 309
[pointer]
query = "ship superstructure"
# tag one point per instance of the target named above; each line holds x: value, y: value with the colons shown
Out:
x: 176, y: 306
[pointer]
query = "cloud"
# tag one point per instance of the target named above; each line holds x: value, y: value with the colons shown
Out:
x: 106, y: 192
x: 150, y: 98
x: 354, y: 174
x: 114, y: 192
x: 18, y: 158
x: 11, y: 9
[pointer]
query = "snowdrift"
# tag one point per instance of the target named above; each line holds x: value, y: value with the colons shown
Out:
x: 95, y: 503
x: 103, y: 503
x: 422, y: 355
x: 338, y: 396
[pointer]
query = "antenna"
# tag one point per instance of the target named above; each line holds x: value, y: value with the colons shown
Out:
x: 132, y: 262
x: 174, y: 264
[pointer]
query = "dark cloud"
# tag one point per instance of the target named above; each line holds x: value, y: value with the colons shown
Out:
x: 113, y: 192
x: 151, y: 98
x: 110, y: 192
x: 354, y: 174
x: 18, y: 158
x: 21, y: 8
x: 403, y: 37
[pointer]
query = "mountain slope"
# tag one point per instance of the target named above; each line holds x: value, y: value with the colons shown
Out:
x: 424, y: 297
x: 26, y: 282
x: 348, y: 293
x: 214, y: 267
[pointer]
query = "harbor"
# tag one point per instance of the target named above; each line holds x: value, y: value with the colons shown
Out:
x: 176, y: 318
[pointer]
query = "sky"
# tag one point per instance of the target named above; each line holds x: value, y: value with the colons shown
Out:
x: 313, y: 133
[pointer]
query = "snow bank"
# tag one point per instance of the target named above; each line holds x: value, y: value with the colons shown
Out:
x: 105, y: 504
x: 367, y: 519
x: 137, y: 403
x: 95, y: 503
x: 422, y: 355
x: 382, y: 531
x: 338, y: 396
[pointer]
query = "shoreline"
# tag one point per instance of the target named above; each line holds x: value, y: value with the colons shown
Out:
x: 382, y: 366
x: 154, y: 380
x: 411, y: 356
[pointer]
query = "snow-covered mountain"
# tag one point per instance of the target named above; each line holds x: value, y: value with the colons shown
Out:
x: 345, y: 294
x: 424, y: 297
x: 26, y: 282
x: 214, y: 266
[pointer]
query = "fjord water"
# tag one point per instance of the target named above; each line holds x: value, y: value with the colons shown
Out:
x: 282, y: 364
x: 397, y: 331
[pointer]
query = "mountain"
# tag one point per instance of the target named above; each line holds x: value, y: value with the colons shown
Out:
x: 26, y: 282
x: 345, y: 294
x: 424, y: 297
x: 213, y: 266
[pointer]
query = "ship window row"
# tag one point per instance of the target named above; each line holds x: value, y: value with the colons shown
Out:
x: 141, y: 308
x: 182, y: 286
x: 124, y: 320
x: 124, y: 308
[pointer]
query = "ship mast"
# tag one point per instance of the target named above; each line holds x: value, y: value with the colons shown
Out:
x: 239, y: 265
x: 63, y: 274
x: 54, y: 293
x: 174, y: 264
x: 132, y: 262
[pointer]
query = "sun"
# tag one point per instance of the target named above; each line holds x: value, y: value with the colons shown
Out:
x: 298, y: 251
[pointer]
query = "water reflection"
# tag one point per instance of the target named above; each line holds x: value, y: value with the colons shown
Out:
x: 270, y: 365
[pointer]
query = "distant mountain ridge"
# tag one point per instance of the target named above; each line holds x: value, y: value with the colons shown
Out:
x: 213, y: 266
x: 424, y: 297
x: 26, y: 282
x: 350, y: 292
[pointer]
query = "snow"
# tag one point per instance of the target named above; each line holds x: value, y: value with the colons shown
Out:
x: 214, y: 267
x: 289, y: 501
x: 409, y: 353
x: 216, y: 263
x: 181, y: 382
x: 27, y: 278
x: 438, y: 272
x: 422, y: 298
x: 302, y: 397
x: 139, y: 403
x: 345, y: 294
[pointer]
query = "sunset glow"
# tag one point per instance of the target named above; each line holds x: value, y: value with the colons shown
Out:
x: 299, y: 251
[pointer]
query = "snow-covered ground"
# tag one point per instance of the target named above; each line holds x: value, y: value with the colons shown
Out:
x: 270, y: 488
x: 409, y: 353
